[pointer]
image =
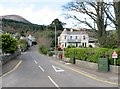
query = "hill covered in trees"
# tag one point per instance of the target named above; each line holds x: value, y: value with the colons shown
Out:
x: 45, y: 34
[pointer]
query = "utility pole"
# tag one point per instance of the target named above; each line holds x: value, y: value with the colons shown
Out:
x: 55, y: 42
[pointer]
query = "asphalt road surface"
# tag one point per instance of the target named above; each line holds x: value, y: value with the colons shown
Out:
x: 38, y: 70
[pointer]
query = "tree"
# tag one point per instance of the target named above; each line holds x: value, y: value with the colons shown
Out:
x: 114, y: 18
x: 95, y: 11
x: 9, y: 44
x: 58, y: 24
x: 111, y: 39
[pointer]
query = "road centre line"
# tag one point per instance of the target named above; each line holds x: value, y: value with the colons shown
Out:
x: 53, y: 82
x: 35, y: 62
x: 41, y: 68
x: 87, y: 75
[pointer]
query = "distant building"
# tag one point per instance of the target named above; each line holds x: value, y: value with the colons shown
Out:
x: 31, y: 39
x: 76, y: 38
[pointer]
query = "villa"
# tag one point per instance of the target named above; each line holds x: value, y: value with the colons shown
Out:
x: 77, y: 38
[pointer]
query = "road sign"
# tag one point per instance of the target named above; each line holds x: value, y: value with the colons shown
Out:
x: 114, y: 54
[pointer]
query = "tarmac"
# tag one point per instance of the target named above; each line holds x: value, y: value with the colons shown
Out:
x: 108, y: 76
x: 9, y: 66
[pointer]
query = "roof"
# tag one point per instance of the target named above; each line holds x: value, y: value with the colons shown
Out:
x: 92, y: 39
x: 64, y: 31
x: 73, y: 32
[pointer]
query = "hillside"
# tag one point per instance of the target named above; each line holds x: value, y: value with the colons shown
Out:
x: 15, y: 18
x: 13, y: 26
x: 44, y: 34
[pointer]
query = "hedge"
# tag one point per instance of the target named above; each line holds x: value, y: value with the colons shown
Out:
x: 92, y: 54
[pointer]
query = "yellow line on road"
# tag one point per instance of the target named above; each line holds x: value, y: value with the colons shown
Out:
x: 80, y: 72
x: 12, y: 69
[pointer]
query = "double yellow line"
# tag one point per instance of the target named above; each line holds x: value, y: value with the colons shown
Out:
x: 87, y: 75
x: 12, y: 69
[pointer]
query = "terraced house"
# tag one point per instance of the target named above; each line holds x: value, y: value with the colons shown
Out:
x: 77, y: 38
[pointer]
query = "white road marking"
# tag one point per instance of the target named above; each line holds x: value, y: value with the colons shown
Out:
x: 68, y: 63
x: 41, y: 68
x: 57, y: 69
x: 53, y: 82
x: 35, y: 62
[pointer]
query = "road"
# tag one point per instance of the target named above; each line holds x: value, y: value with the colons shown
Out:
x: 38, y: 70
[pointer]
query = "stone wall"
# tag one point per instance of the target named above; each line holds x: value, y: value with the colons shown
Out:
x: 93, y: 66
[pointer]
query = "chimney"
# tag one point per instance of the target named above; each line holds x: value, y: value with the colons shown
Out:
x: 71, y: 30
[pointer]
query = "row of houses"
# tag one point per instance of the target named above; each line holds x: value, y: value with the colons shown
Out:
x: 77, y: 38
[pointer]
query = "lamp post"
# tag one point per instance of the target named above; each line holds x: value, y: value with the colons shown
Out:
x: 55, y: 42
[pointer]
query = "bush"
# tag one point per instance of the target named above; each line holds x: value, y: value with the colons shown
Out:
x: 51, y: 53
x: 9, y: 44
x: 43, y: 49
x: 23, y: 47
x: 23, y: 41
x: 92, y: 54
x: 70, y: 46
x: 23, y: 44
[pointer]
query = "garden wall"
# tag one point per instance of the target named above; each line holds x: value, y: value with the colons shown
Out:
x: 7, y: 58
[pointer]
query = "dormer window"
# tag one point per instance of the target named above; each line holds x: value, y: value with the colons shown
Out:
x: 70, y: 37
x: 84, y: 37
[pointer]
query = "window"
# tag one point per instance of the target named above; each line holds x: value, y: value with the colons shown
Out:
x: 65, y: 37
x: 84, y: 37
x: 82, y: 44
x: 65, y: 44
x: 70, y: 37
x: 76, y: 37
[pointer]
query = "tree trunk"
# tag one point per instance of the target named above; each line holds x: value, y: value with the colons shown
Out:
x: 100, y: 24
x: 117, y: 19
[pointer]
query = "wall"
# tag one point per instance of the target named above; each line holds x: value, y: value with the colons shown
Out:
x: 93, y: 66
x: 7, y: 58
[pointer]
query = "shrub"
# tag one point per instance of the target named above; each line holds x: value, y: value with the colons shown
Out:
x: 9, y: 44
x: 23, y: 47
x: 23, y: 44
x: 23, y: 41
x: 91, y: 54
x: 70, y: 46
x: 51, y: 53
x: 43, y: 49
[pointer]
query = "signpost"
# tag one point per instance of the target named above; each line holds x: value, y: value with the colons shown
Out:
x: 114, y: 56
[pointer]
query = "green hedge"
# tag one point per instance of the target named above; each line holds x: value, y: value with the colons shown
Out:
x: 91, y: 54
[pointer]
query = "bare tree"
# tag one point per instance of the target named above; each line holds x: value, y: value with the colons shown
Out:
x: 114, y: 17
x: 96, y: 14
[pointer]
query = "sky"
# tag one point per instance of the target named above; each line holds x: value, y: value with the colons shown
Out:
x: 41, y: 12
x: 36, y: 11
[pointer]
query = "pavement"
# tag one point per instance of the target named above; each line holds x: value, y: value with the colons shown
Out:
x: 108, y: 76
x: 39, y: 70
x: 9, y: 66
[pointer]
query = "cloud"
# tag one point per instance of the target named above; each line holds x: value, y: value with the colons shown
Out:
x: 43, y: 15
x: 36, y: 14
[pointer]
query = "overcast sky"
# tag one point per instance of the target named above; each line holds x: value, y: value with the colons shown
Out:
x: 39, y: 11
x: 36, y: 11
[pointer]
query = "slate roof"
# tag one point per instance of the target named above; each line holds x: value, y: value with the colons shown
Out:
x: 92, y: 39
x: 73, y: 33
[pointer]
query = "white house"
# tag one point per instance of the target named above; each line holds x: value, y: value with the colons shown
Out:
x: 30, y: 39
x: 76, y: 38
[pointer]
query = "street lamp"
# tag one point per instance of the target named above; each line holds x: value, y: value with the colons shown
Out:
x: 55, y: 42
